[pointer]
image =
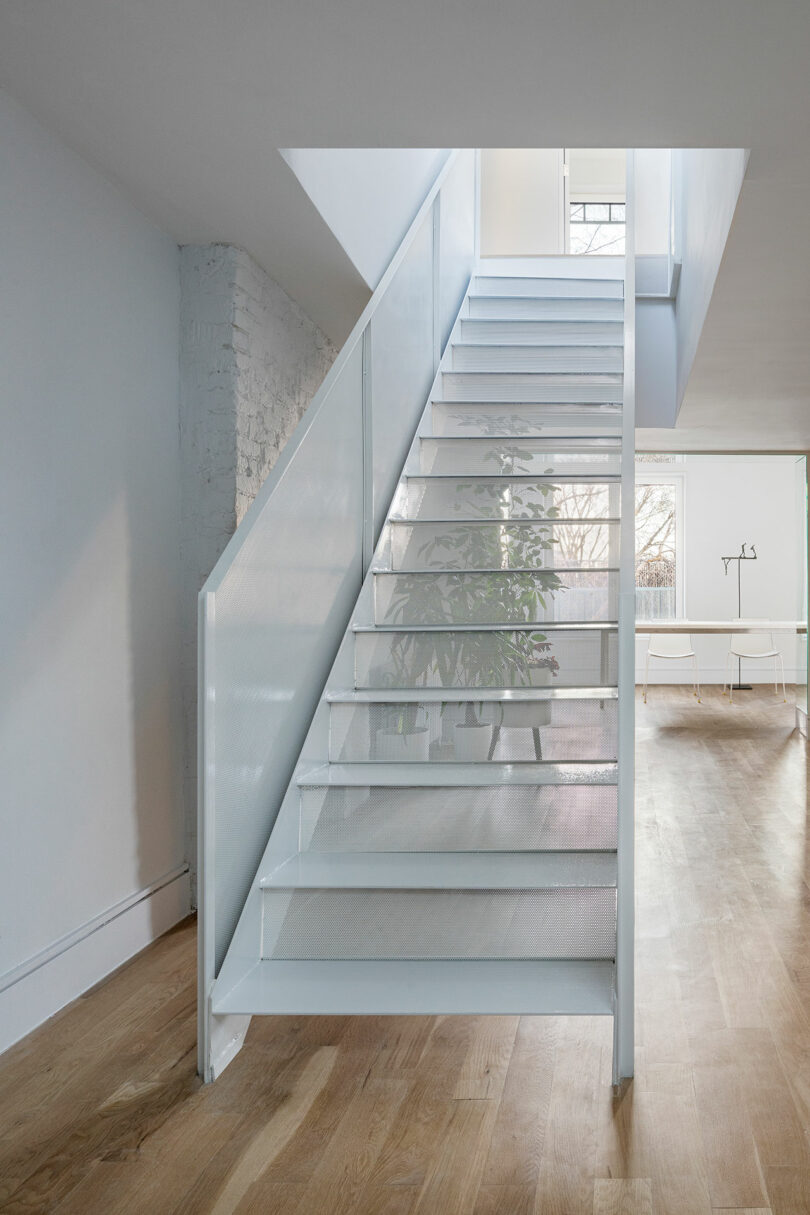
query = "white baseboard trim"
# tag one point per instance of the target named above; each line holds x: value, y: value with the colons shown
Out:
x: 37, y: 988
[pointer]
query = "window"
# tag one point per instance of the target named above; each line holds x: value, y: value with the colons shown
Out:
x: 657, y: 565
x: 597, y: 227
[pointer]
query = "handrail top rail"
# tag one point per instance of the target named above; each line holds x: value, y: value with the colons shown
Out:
x: 307, y: 420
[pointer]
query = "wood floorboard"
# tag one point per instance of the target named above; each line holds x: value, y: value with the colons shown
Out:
x: 100, y: 1109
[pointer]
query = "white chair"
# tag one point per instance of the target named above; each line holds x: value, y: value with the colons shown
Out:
x: 672, y: 645
x: 753, y: 645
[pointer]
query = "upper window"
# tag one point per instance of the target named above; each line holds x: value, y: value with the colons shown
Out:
x: 597, y: 227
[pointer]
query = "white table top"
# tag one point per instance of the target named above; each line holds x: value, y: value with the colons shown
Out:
x: 721, y: 626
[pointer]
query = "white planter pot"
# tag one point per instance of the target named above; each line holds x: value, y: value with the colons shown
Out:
x: 472, y: 743
x: 538, y: 713
x: 395, y: 748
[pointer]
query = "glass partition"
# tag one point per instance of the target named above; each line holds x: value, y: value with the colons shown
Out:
x: 274, y: 610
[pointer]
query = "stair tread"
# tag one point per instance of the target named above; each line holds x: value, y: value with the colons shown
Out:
x: 455, y: 695
x: 547, y: 348
x: 498, y: 519
x: 380, y: 571
x: 505, y: 987
x: 605, y: 377
x: 607, y: 407
x: 575, y: 442
x: 505, y: 478
x: 581, y: 626
x: 478, y: 775
x: 441, y: 870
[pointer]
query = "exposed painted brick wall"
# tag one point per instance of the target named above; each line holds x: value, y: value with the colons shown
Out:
x: 250, y: 363
x: 281, y: 358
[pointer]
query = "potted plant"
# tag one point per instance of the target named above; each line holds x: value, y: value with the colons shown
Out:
x: 541, y: 667
x: 472, y: 589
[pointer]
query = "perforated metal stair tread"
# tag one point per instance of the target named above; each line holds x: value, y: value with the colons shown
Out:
x: 442, y: 871
x: 455, y: 695
x: 540, y: 287
x: 563, y: 377
x: 607, y: 408
x: 536, y: 356
x: 482, y: 343
x: 474, y: 776
x: 505, y: 478
x: 607, y: 442
x: 582, y: 626
x: 487, y: 569
x: 506, y: 330
x: 423, y: 988
x: 519, y: 520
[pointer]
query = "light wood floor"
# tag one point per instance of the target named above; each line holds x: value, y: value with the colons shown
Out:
x: 100, y: 1110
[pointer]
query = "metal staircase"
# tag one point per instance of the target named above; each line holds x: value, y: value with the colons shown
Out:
x: 451, y: 840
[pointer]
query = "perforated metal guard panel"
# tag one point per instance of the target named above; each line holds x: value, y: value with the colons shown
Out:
x: 495, y: 598
x: 542, y: 287
x: 529, y: 386
x: 496, y: 497
x: 581, y: 332
x: 507, y: 356
x: 458, y: 456
x: 485, y: 545
x: 342, y: 924
x: 559, y: 731
x: 459, y: 819
x: 494, y: 307
x: 498, y: 658
x: 472, y: 420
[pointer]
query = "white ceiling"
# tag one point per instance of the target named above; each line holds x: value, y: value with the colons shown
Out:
x: 184, y: 103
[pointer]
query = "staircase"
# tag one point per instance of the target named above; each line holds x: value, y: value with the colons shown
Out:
x: 452, y: 847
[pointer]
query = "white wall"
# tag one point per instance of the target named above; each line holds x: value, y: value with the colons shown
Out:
x: 522, y: 203
x: 367, y: 196
x: 90, y: 726
x: 597, y: 174
x: 707, y: 183
x: 728, y: 501
x: 652, y: 181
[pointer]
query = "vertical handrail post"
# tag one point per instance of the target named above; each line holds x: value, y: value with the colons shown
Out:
x: 623, y: 1021
x: 367, y: 413
x: 436, y: 290
x: 206, y: 858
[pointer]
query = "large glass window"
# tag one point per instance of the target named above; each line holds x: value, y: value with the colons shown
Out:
x: 656, y: 550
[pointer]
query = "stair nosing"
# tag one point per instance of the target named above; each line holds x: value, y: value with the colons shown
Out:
x: 562, y: 477
x: 586, y: 626
x: 453, y: 695
x: 418, y: 871
x: 520, y: 569
x: 494, y: 773
x: 607, y: 406
x: 499, y: 519
x: 601, y: 442
x: 585, y: 375
x: 464, y: 344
